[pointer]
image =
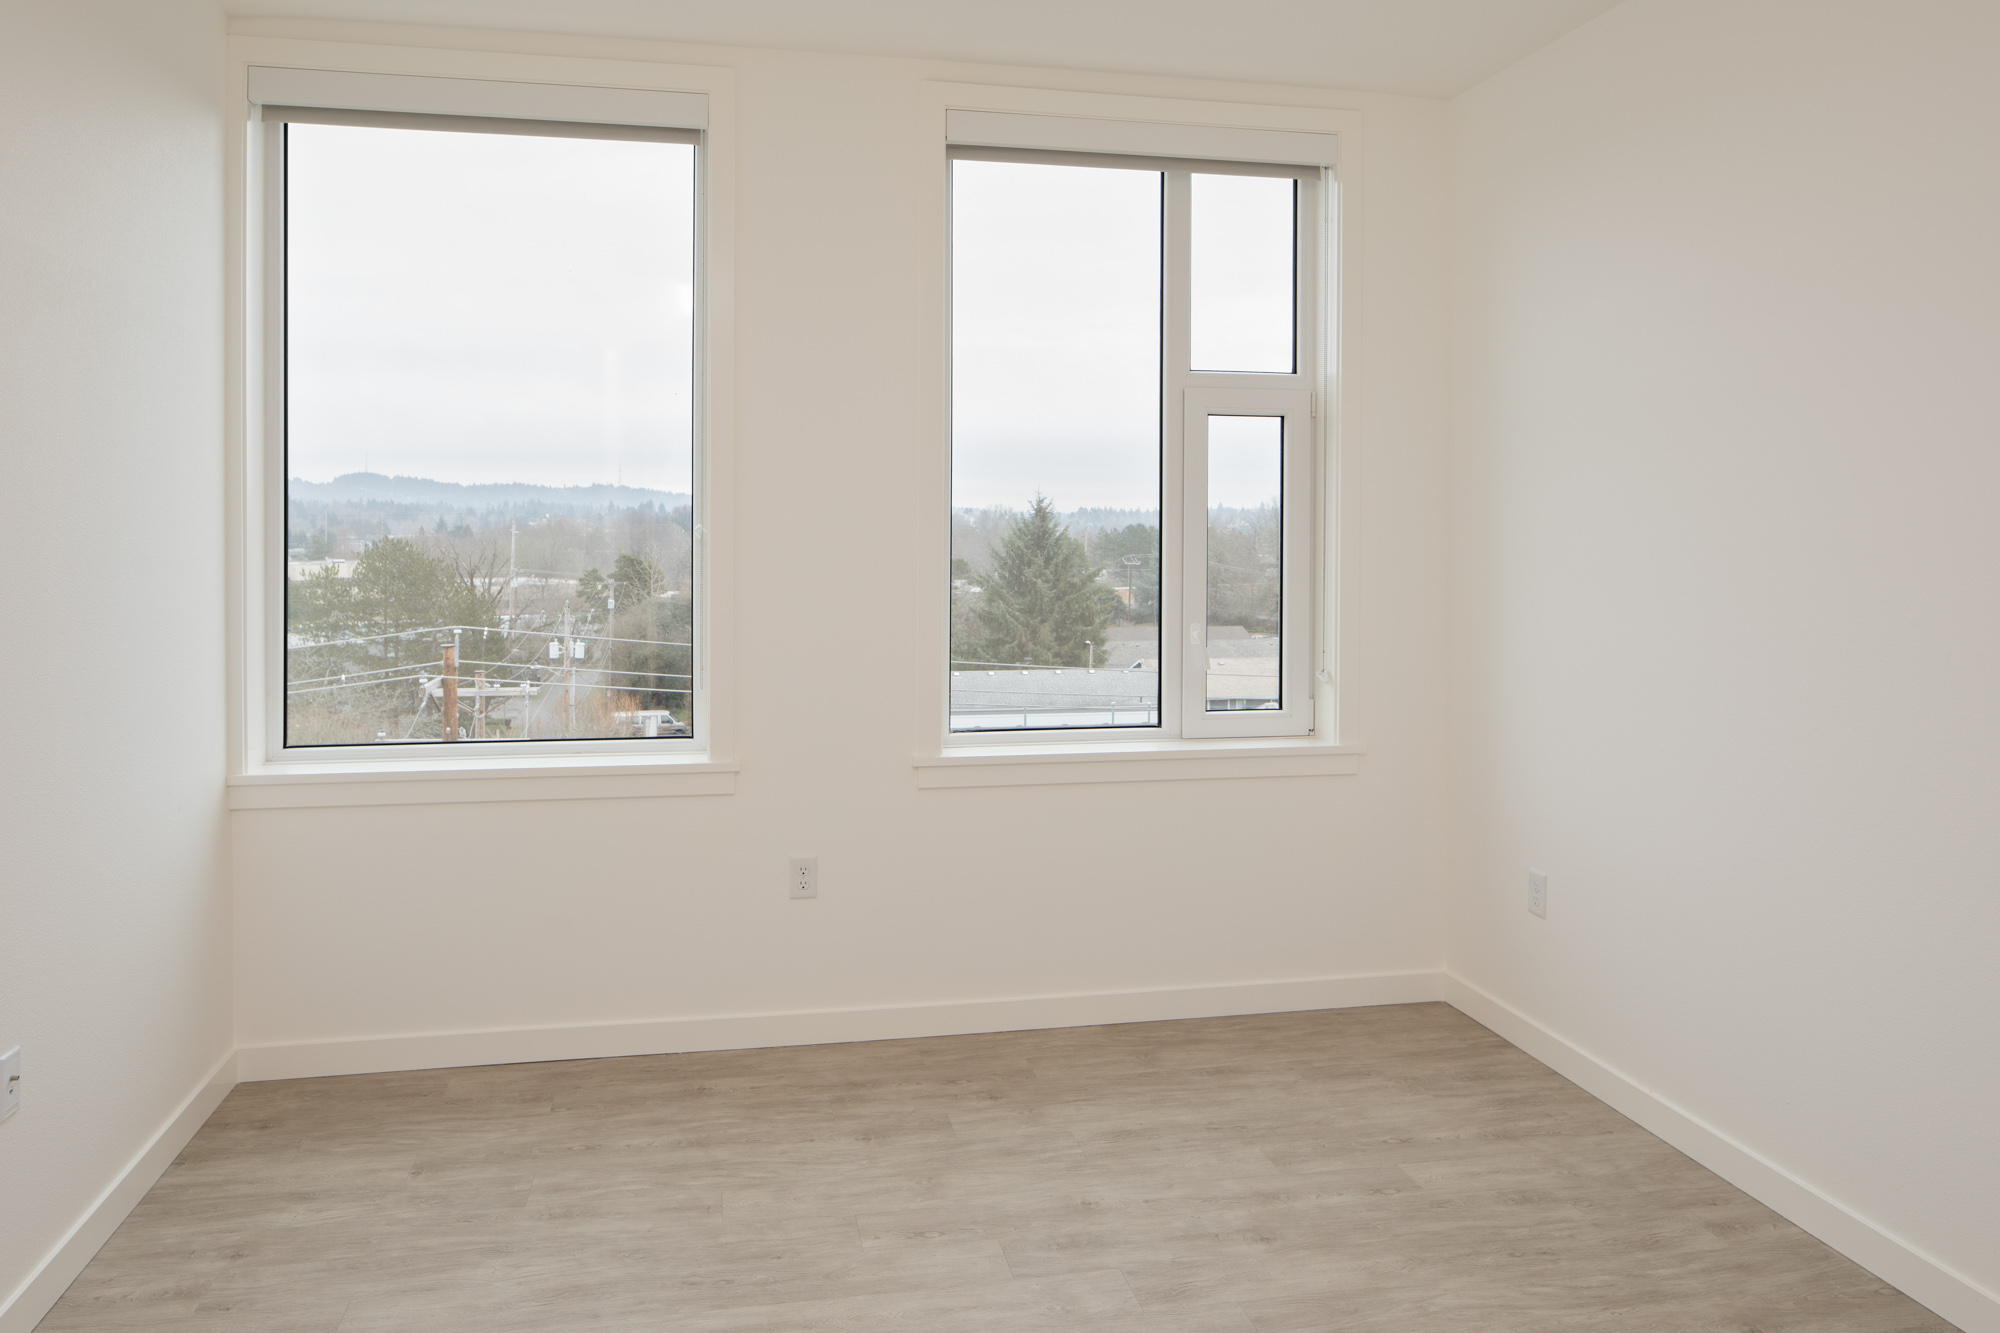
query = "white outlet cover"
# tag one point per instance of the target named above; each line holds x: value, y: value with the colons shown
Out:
x: 10, y: 1076
x: 804, y: 877
x: 1538, y: 893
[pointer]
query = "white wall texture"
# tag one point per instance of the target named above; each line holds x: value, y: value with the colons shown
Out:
x: 1726, y: 579
x: 370, y: 922
x: 114, y: 928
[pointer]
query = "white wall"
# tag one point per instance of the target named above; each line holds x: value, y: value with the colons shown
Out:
x: 359, y: 923
x: 114, y: 929
x: 1726, y: 572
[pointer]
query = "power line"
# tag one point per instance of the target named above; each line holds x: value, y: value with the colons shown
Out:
x: 609, y: 688
x: 343, y: 676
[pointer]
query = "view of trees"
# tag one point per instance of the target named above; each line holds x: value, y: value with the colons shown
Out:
x: 373, y: 620
x: 519, y: 597
x: 1043, y: 596
x: 577, y: 621
x: 1031, y: 589
x: 1243, y: 568
x: 1042, y: 600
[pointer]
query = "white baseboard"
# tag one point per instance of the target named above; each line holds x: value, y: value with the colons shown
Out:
x: 445, y: 1050
x: 21, y: 1311
x: 1947, y: 1293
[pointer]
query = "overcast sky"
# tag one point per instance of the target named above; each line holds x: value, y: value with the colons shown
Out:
x: 504, y: 308
x: 488, y: 307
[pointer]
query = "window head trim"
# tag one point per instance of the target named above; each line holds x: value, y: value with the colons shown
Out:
x: 966, y: 152
x: 502, y: 99
x: 425, y: 120
x: 1220, y: 143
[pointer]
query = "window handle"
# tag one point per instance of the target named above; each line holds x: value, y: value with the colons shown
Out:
x: 1194, y: 634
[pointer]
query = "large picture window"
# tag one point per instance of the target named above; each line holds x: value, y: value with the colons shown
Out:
x: 1133, y: 371
x: 489, y: 429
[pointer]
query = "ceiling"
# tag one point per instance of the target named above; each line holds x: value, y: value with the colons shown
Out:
x: 1436, y: 48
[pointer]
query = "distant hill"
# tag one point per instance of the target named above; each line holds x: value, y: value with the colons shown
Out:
x: 361, y: 487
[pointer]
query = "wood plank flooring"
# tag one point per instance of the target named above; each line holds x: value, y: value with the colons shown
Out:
x: 1357, y: 1170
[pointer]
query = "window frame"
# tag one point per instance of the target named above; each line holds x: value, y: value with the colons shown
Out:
x: 988, y: 121
x: 1296, y: 578
x: 386, y: 84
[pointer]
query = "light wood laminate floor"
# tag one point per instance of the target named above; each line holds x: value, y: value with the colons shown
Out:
x: 1363, y: 1169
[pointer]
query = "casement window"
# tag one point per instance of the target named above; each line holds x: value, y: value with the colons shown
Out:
x: 1136, y: 367
x: 483, y: 424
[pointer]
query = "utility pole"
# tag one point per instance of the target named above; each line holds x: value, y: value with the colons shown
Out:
x: 450, y: 701
x: 513, y: 610
x: 479, y: 705
x: 569, y: 667
x: 610, y: 612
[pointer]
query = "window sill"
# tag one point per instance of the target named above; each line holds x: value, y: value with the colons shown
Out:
x: 457, y: 782
x: 1156, y: 761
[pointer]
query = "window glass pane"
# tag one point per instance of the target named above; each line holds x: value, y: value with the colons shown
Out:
x: 1055, y: 582
x: 1245, y: 539
x: 1242, y: 290
x: 488, y: 438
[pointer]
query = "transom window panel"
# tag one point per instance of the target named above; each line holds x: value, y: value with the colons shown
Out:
x: 1244, y: 281
x: 489, y: 431
x: 1130, y: 551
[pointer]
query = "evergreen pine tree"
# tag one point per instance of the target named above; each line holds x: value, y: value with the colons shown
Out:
x: 1041, y: 601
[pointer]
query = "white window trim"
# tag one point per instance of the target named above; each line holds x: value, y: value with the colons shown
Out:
x: 286, y: 85
x: 1066, y: 120
x: 300, y: 72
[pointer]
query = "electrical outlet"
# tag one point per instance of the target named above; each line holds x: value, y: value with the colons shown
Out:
x: 1538, y: 893
x: 805, y: 877
x: 10, y: 1078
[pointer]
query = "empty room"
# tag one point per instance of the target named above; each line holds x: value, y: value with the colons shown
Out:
x: 776, y: 667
